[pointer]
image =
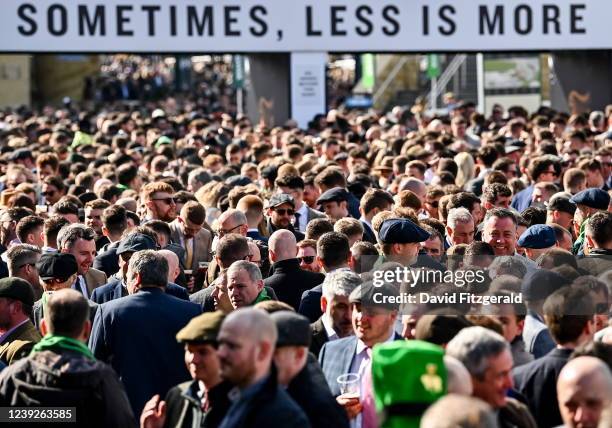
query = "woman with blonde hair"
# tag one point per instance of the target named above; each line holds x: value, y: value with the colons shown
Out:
x: 465, y: 162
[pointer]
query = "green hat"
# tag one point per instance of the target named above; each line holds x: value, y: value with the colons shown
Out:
x: 163, y: 140
x: 407, y: 377
x: 17, y: 289
x: 202, y: 329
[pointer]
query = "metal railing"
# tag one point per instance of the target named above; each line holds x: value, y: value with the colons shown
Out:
x: 445, y: 77
x: 380, y: 91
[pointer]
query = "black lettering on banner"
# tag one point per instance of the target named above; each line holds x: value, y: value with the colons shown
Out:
x: 200, y: 25
x: 575, y: 19
x: 528, y: 14
x: 173, y: 20
x: 550, y: 13
x: 51, y: 20
x: 309, y: 30
x: 496, y: 21
x: 336, y: 19
x: 257, y: 13
x: 151, y: 16
x: 445, y: 12
x: 360, y: 15
x: 21, y: 13
x: 229, y: 20
x: 122, y: 20
x: 426, y: 20
x: 86, y: 22
x: 394, y: 24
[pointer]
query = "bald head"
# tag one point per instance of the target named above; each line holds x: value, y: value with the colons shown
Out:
x: 232, y: 221
x: 584, y: 390
x: 173, y: 264
x: 246, y: 346
x: 459, y: 379
x: 283, y: 246
x: 255, y: 323
x: 414, y: 185
x: 66, y: 314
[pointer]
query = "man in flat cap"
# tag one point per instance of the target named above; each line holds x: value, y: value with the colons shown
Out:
x: 203, y: 401
x: 589, y: 202
x: 17, y: 333
x: 116, y: 287
x: 560, y: 210
x: 281, y: 214
x: 57, y: 271
x: 400, y: 240
x: 537, y: 239
x: 373, y: 312
x: 334, y: 203
x: 300, y: 373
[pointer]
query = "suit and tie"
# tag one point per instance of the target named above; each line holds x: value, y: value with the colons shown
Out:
x: 339, y: 357
x: 137, y: 336
x: 197, y: 249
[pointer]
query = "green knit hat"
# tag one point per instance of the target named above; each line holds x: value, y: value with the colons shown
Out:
x: 407, y: 377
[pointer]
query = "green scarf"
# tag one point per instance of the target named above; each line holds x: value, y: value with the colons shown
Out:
x: 262, y: 297
x: 52, y: 342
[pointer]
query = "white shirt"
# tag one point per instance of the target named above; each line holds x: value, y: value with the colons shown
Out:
x: 303, y: 220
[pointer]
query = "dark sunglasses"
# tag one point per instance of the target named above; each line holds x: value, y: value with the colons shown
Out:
x: 307, y: 259
x: 167, y: 201
x: 49, y: 193
x: 434, y: 204
x: 283, y: 211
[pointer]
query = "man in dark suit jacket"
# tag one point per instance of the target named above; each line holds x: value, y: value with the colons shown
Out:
x: 537, y: 380
x: 333, y: 253
x: 372, y: 202
x: 116, y: 288
x: 335, y: 323
x: 351, y: 354
x: 108, y: 261
x: 136, y: 334
x: 287, y: 279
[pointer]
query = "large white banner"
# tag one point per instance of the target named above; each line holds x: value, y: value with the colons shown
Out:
x: 303, y: 25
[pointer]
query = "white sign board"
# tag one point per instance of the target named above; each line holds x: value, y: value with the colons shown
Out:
x: 228, y: 26
x: 307, y: 86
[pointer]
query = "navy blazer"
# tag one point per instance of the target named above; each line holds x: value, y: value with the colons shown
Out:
x: 114, y: 289
x: 368, y: 233
x: 537, y: 382
x: 256, y: 236
x: 336, y: 357
x: 137, y: 336
x: 310, y: 305
x: 108, y: 260
x: 522, y: 200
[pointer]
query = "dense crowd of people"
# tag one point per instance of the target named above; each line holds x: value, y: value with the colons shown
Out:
x: 175, y: 266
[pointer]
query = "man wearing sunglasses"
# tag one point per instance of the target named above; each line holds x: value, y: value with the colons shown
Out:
x: 159, y: 203
x: 53, y: 189
x: 281, y: 212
